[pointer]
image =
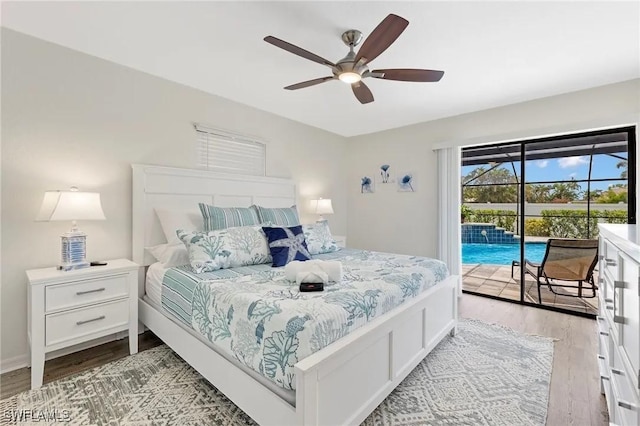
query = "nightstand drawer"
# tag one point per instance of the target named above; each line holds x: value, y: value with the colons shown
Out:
x: 73, y: 325
x: 86, y: 292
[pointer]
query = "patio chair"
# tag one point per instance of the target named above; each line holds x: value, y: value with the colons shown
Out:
x: 566, y: 260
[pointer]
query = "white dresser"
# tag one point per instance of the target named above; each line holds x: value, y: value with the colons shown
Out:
x: 619, y: 321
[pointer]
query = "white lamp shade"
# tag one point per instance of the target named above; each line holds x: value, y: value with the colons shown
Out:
x: 70, y: 205
x: 323, y: 206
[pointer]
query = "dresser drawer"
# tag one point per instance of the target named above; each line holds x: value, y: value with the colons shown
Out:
x: 610, y: 259
x: 95, y: 321
x: 85, y: 292
x: 604, y: 347
x: 625, y: 404
x: 629, y: 320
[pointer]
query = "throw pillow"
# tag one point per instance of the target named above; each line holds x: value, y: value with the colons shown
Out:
x: 319, y: 239
x: 286, y: 244
x: 227, y: 217
x: 225, y: 248
x: 279, y: 217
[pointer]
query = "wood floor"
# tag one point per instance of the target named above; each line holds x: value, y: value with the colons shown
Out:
x: 574, y: 399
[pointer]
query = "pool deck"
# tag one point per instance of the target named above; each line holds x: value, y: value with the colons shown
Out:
x: 495, y: 280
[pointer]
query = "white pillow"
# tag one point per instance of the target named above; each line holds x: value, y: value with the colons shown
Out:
x: 173, y: 219
x: 170, y: 255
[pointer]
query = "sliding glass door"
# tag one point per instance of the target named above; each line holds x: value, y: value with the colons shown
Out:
x: 519, y: 196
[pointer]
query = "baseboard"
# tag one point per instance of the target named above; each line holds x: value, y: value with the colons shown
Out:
x: 22, y: 361
x: 14, y: 363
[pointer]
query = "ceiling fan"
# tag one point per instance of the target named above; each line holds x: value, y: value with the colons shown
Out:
x: 353, y: 68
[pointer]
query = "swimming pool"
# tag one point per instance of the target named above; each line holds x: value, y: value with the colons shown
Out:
x: 501, y: 254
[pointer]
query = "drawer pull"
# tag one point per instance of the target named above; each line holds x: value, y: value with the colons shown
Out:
x: 101, y: 317
x: 97, y: 290
x: 626, y: 405
x: 620, y: 284
x: 604, y: 333
x: 600, y: 356
x: 599, y: 318
x: 609, y: 307
x: 611, y: 262
x: 600, y: 280
x: 619, y: 319
x: 618, y: 372
x: 608, y: 300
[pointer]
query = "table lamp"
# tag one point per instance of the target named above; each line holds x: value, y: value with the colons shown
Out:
x: 71, y: 206
x: 322, y: 206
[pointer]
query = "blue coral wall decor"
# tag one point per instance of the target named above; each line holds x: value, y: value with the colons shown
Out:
x: 384, y: 173
x: 406, y: 182
x: 366, y: 185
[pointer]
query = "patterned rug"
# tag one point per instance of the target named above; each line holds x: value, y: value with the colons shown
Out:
x: 486, y: 375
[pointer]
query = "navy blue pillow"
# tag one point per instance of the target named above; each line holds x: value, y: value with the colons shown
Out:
x: 286, y: 244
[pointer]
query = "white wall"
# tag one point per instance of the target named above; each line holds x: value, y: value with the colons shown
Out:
x: 72, y: 119
x: 407, y: 222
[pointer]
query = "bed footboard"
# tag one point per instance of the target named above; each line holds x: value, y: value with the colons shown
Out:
x: 343, y: 383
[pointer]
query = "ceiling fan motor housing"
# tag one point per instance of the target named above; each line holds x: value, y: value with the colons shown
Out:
x: 348, y: 64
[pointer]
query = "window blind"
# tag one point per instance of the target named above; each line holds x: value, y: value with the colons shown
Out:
x: 227, y: 152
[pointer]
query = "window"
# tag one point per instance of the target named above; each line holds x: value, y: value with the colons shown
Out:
x: 227, y: 152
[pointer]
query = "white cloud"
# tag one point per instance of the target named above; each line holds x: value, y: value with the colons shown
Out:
x: 567, y: 162
x: 542, y: 163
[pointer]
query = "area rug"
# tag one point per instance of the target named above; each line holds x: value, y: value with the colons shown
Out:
x: 485, y: 375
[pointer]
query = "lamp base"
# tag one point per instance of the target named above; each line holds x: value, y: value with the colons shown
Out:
x: 73, y: 266
x: 73, y: 250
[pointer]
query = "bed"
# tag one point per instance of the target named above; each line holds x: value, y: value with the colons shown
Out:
x: 343, y: 381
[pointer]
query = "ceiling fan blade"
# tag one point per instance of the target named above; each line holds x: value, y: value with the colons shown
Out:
x: 382, y: 37
x: 362, y: 92
x: 309, y: 83
x: 298, y: 51
x: 408, y: 74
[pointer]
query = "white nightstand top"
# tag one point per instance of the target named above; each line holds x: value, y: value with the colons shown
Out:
x: 53, y: 275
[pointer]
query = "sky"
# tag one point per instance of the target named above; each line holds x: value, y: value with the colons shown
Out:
x: 604, y: 167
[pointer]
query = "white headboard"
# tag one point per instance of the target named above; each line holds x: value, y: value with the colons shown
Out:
x: 168, y: 187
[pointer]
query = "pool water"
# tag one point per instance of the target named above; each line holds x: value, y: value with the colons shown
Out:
x: 501, y: 254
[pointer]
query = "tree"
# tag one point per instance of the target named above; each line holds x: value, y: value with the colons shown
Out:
x: 614, y: 195
x: 497, y: 185
x: 624, y: 165
x: 593, y: 195
x: 565, y: 191
x: 538, y: 193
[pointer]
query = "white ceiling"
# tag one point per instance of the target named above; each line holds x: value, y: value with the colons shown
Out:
x: 493, y: 53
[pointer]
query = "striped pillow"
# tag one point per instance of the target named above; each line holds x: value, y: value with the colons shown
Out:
x: 228, y: 217
x: 279, y: 217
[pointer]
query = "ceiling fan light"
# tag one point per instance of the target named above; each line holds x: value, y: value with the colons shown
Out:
x: 350, y: 77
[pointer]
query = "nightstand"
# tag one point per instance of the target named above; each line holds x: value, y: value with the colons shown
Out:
x: 340, y: 240
x: 70, y: 307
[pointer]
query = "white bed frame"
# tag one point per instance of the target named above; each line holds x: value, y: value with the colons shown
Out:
x: 341, y: 384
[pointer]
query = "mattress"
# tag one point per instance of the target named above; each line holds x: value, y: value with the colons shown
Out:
x: 256, y: 317
x: 153, y: 283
